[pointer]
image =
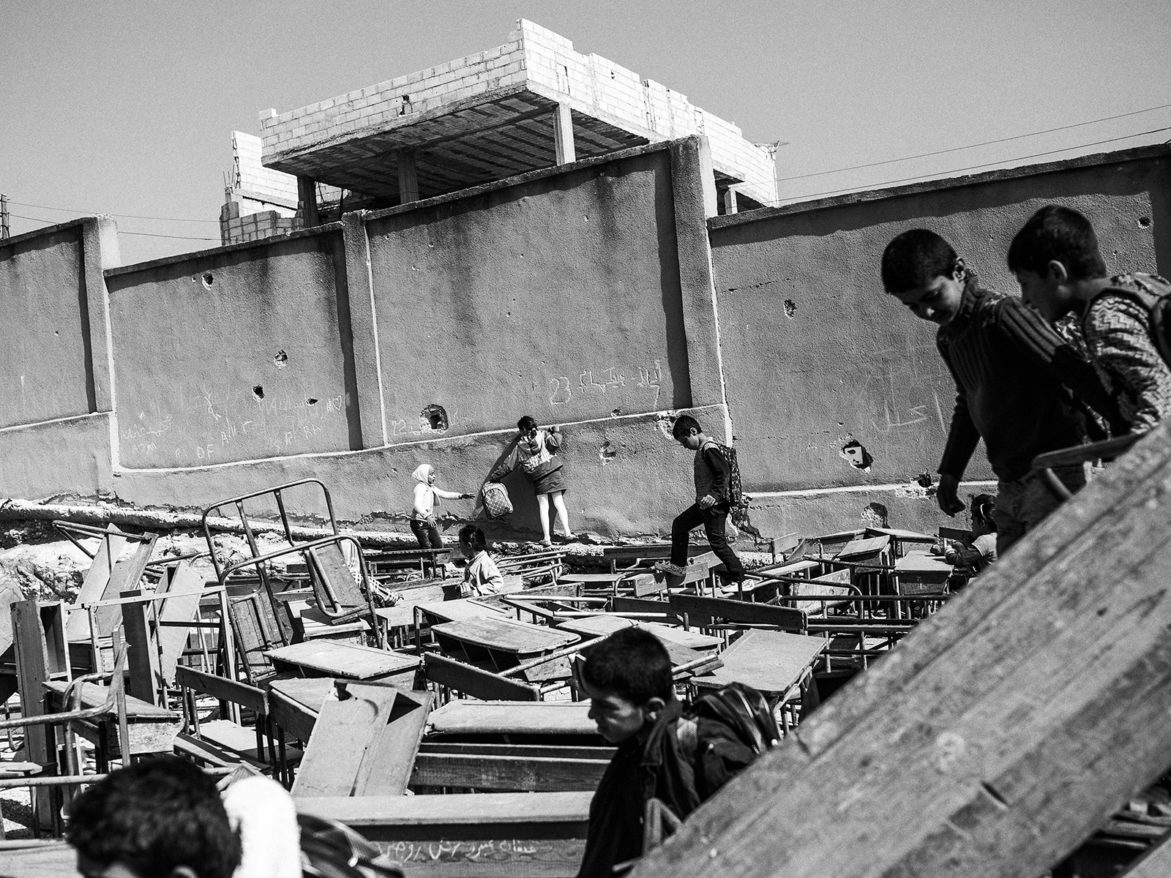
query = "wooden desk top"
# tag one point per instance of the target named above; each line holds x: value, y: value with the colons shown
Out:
x: 606, y: 623
x: 922, y: 562
x: 464, y: 608
x: 595, y: 578
x: 339, y: 659
x: 94, y: 695
x: 512, y: 717
x: 771, y: 661
x: 307, y: 692
x: 863, y: 546
x: 506, y: 635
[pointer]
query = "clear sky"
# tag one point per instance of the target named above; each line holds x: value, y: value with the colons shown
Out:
x: 126, y: 107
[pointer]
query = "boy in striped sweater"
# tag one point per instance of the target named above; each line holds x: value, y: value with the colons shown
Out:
x: 1013, y: 374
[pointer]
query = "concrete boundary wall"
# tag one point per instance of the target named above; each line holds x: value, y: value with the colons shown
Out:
x: 585, y: 290
x: 605, y: 296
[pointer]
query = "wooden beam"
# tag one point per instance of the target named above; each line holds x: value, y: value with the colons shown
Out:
x: 507, y: 773
x: 998, y: 735
x: 563, y: 135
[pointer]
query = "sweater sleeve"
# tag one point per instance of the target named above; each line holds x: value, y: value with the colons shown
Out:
x: 962, y: 436
x: 1120, y: 342
x: 1032, y: 335
x: 446, y: 495
x: 553, y: 441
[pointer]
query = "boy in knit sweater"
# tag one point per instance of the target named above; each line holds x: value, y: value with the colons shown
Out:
x: 712, y: 502
x: 1060, y: 268
x: 1013, y: 375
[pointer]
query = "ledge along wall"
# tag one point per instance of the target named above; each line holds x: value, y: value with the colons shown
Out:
x: 353, y: 352
x: 585, y: 295
x: 820, y: 363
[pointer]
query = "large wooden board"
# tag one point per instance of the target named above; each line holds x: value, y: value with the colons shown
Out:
x: 332, y: 658
x: 771, y: 661
x: 998, y: 735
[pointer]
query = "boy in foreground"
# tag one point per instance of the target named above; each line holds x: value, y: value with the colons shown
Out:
x: 159, y: 818
x: 1059, y: 266
x: 661, y: 755
x: 712, y: 502
x: 1011, y: 371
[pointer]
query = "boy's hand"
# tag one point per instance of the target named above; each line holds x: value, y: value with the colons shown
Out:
x: 946, y: 495
x: 707, y: 501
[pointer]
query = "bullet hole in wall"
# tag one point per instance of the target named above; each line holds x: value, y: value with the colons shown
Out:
x: 875, y: 515
x: 280, y: 360
x: 434, y: 417
x: 856, y: 455
x: 615, y: 412
x: 1144, y: 222
x: 258, y: 392
x: 208, y: 280
x: 607, y: 452
x: 790, y: 308
x: 311, y: 401
x: 924, y: 480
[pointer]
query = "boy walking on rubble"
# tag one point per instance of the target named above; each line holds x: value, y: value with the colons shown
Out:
x: 712, y: 502
x: 1011, y: 371
x: 1059, y: 266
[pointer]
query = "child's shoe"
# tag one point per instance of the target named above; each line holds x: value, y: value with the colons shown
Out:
x: 668, y: 568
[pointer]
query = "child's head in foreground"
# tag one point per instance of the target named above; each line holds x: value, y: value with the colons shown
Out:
x: 922, y: 271
x: 1053, y: 251
x: 687, y: 431
x: 628, y: 680
x: 159, y: 818
x: 472, y: 539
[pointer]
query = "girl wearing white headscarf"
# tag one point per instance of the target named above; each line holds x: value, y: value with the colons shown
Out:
x: 423, y: 524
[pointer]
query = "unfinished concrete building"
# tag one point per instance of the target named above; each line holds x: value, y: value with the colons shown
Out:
x: 531, y: 103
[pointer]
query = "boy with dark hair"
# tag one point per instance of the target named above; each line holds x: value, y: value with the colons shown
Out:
x: 481, y: 576
x: 1059, y: 266
x: 1011, y: 371
x: 712, y: 502
x: 159, y: 818
x: 660, y: 754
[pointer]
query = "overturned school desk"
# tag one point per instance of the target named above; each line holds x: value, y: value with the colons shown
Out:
x: 503, y: 643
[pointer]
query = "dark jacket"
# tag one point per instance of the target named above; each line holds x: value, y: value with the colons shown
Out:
x: 659, y: 767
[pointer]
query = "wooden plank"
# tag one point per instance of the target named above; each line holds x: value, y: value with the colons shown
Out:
x: 391, y: 759
x: 183, y: 585
x: 143, y: 674
x: 93, y: 586
x: 998, y: 735
x: 295, y: 703
x: 381, y: 727
x: 540, y: 751
x: 475, y: 835
x: 125, y: 577
x: 507, y: 773
x: 32, y: 663
x: 512, y: 717
x: 474, y: 682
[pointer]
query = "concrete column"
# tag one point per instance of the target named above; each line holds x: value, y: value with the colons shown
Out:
x: 364, y: 331
x: 307, y: 196
x: 729, y: 201
x: 99, y: 251
x: 408, y: 177
x: 563, y: 135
